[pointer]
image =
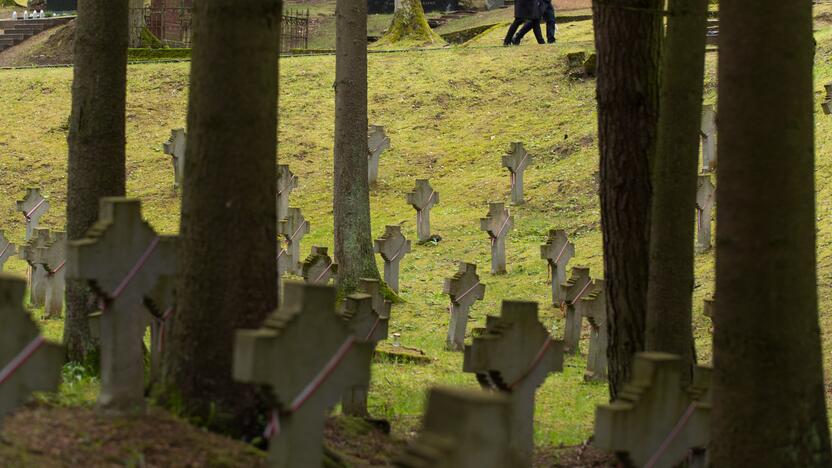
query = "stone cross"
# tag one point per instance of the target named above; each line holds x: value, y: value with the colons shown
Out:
x: 33, y: 206
x: 122, y: 259
x: 7, y: 249
x: 293, y: 227
x: 28, y: 363
x: 464, y: 288
x: 161, y: 303
x: 497, y: 223
x: 576, y: 288
x: 377, y: 143
x: 175, y: 147
x: 461, y: 429
x: 310, y: 358
x: 422, y: 198
x: 593, y: 307
x: 708, y: 135
x: 392, y: 246
x: 557, y: 251
x: 318, y: 268
x: 364, y: 321
x: 37, y: 274
x: 516, y: 161
x: 286, y: 182
x: 514, y: 355
x: 52, y: 258
x: 826, y: 105
x: 705, y: 199
x: 708, y: 306
x: 656, y: 421
x: 372, y: 287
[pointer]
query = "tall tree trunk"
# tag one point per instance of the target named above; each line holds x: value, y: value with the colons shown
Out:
x: 351, y: 199
x: 769, y: 408
x: 227, y: 247
x: 669, y: 294
x: 628, y: 41
x: 409, y: 23
x: 96, y: 141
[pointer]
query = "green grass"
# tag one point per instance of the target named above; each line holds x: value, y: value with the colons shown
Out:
x: 451, y: 114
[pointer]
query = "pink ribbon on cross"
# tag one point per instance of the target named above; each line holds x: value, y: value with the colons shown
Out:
x: 329, y: 267
x: 56, y: 270
x: 581, y: 293
x: 28, y: 214
x: 292, y: 237
x: 162, y: 324
x: 535, y: 362
x: 419, y: 212
x: 140, y: 263
x: 398, y: 252
x: 500, y: 232
x: 8, y: 244
x: 671, y: 436
x: 22, y: 357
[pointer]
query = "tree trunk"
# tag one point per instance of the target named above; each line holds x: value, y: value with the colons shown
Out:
x: 351, y: 199
x: 409, y: 23
x: 227, y: 247
x: 669, y: 294
x: 769, y: 408
x: 96, y: 141
x: 628, y: 41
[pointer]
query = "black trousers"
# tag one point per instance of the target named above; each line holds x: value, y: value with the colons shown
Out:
x: 549, y: 17
x: 513, y: 29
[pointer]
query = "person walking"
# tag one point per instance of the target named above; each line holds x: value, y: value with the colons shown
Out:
x: 525, y: 11
x: 547, y: 11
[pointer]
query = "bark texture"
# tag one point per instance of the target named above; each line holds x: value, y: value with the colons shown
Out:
x: 410, y: 24
x: 769, y: 408
x: 227, y: 249
x: 96, y: 141
x: 628, y: 41
x: 669, y: 294
x: 351, y: 198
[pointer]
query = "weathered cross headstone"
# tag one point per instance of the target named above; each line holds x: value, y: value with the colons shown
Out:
x: 593, y: 307
x: 33, y: 206
x: 175, y: 147
x: 372, y: 287
x: 708, y: 307
x: 286, y: 182
x: 464, y: 288
x: 514, y: 355
x: 319, y: 268
x: 293, y: 227
x: 575, y: 289
x: 392, y: 246
x: 37, y: 274
x: 826, y: 105
x: 497, y: 223
x: 28, y: 363
x: 708, y: 135
x: 309, y: 357
x: 52, y: 258
x: 705, y: 199
x: 516, y: 161
x: 557, y: 251
x: 122, y: 259
x: 422, y: 198
x: 654, y: 420
x: 377, y: 143
x: 7, y: 250
x: 461, y: 429
x: 366, y: 322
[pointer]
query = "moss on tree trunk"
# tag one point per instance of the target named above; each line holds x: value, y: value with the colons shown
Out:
x: 410, y: 26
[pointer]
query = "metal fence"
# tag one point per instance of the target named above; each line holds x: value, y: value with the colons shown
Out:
x: 172, y: 27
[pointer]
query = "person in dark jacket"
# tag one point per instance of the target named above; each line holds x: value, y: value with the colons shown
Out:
x: 525, y: 11
x: 547, y: 11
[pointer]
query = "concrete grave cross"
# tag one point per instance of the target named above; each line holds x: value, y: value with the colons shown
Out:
x: 37, y: 274
x: 161, y: 303
x: 52, y: 258
x: 293, y: 227
x: 514, y: 355
x: 372, y: 287
x: 28, y: 363
x: 557, y: 251
x: 576, y: 288
x: 593, y: 307
x: 705, y: 200
x: 708, y: 136
x: 175, y: 147
x: 33, y: 206
x: 461, y: 429
x: 286, y: 183
x: 497, y: 223
x: 464, y: 288
x: 366, y: 323
x: 377, y: 143
x: 7, y: 249
x: 656, y: 421
x: 310, y: 358
x: 422, y: 198
x: 122, y: 259
x: 826, y: 105
x: 318, y: 268
x: 516, y: 161
x: 393, y: 247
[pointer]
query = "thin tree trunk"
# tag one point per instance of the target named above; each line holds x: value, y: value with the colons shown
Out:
x: 768, y: 408
x: 669, y: 294
x: 227, y: 247
x: 351, y: 200
x: 628, y: 41
x: 96, y: 141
